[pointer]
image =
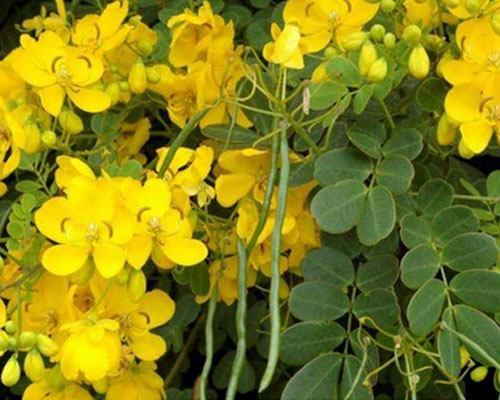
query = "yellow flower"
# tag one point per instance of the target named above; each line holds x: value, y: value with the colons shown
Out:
x: 91, y: 349
x: 461, y: 11
x: 288, y: 48
x: 138, y: 382
x: 423, y: 13
x: 320, y: 21
x: 44, y: 390
x: 193, y: 34
x: 57, y: 70
x: 160, y: 227
x: 103, y: 32
x: 131, y: 140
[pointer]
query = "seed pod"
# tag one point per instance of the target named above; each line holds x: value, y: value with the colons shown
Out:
x: 367, y: 57
x: 412, y: 35
x: 378, y: 70
x: 354, y: 41
x: 70, y: 122
x: 136, y: 285
x: 46, y: 345
x: 137, y: 78
x: 478, y: 374
x: 34, y: 367
x: 11, y: 372
x: 419, y: 63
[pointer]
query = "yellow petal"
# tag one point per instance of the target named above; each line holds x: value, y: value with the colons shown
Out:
x: 50, y: 217
x: 52, y: 99
x: 90, y: 100
x: 138, y: 250
x: 476, y: 135
x: 286, y: 44
x: 159, y: 307
x: 64, y: 259
x: 184, y: 251
x: 462, y: 103
x: 30, y: 72
x: 109, y: 259
x: 232, y: 187
x: 148, y: 347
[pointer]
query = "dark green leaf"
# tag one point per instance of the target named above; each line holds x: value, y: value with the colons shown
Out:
x: 344, y: 71
x: 431, y: 93
x: 479, y: 289
x: 340, y: 164
x: 415, y: 231
x: 434, y: 196
x: 425, y: 306
x: 404, y: 141
x: 396, y: 173
x: 329, y: 265
x: 378, y: 273
x: 380, y: 305
x: 419, y: 265
x: 469, y: 251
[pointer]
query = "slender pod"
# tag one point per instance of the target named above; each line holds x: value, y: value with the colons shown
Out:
x: 209, y: 340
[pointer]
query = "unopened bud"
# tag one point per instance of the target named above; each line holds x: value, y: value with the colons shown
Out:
x: 11, y: 372
x: 464, y: 151
x: 124, y: 86
x: 144, y: 47
x: 367, y: 57
x: 49, y: 138
x: 4, y: 344
x: 412, y: 35
x: 419, y: 63
x: 378, y: 70
x: 464, y: 357
x: 353, y: 41
x: 451, y: 3
x: 137, y: 78
x: 387, y: 6
x: 495, y: 23
x: 445, y: 131
x: 390, y: 40
x: 377, y: 32
x: 70, y: 122
x: 83, y: 275
x: 56, y: 379
x: 27, y: 340
x: 113, y: 91
x: 331, y: 52
x: 122, y: 277
x: 472, y: 6
x: 34, y: 367
x: 101, y: 386
x: 478, y: 374
x: 136, y: 285
x: 10, y: 327
x: 152, y: 75
x: 46, y: 345
x: 32, y: 144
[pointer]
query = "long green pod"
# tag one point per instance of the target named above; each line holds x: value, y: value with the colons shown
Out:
x: 241, y: 327
x: 209, y: 340
x: 274, y: 345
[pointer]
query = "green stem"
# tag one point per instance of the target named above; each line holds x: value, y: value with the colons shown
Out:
x: 387, y: 114
x: 241, y: 329
x: 180, y: 139
x: 272, y: 360
x: 209, y: 339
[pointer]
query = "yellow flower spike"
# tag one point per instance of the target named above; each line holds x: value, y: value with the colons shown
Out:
x: 418, y: 63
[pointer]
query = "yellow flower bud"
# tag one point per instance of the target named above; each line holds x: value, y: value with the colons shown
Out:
x: 433, y: 42
x: 464, y: 151
x: 378, y: 70
x: 27, y: 340
x: 367, y: 57
x: 4, y: 343
x: 377, y: 32
x: 32, y: 144
x: 49, y: 138
x: 412, y: 35
x: 144, y: 47
x: 390, y: 40
x: 478, y: 374
x: 124, y: 86
x: 464, y: 357
x: 122, y: 277
x: 137, y: 78
x: 445, y: 131
x: 387, y: 6
x: 70, y: 122
x: 284, y: 290
x: 495, y: 23
x: 472, y: 6
x: 451, y: 3
x: 34, y: 367
x: 113, y: 91
x: 419, y: 63
x: 11, y: 372
x: 10, y: 327
x: 353, y: 41
x: 83, y: 275
x: 136, y: 285
x: 46, y: 345
x: 331, y: 52
x: 152, y: 75
x: 56, y: 378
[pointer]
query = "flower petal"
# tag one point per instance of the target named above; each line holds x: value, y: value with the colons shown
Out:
x: 90, y: 100
x: 64, y: 259
x: 109, y: 259
x: 184, y: 251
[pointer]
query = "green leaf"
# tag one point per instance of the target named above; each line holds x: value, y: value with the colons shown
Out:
x: 380, y: 305
x: 425, y: 306
x: 239, y: 137
x: 260, y: 3
x: 434, y: 196
x: 27, y: 186
x: 449, y: 345
x: 344, y: 71
x: 350, y: 370
x: 301, y: 173
x: 431, y: 93
x: 482, y: 331
x: 316, y: 380
x: 257, y: 33
x: 451, y: 222
x: 362, y: 98
x: 493, y: 184
x: 415, y: 230
x: 222, y: 372
x: 338, y: 207
x: 340, y: 164
x: 304, y: 341
x: 378, y: 217
x: 318, y: 301
x: 346, y: 243
x: 106, y: 124
x: 329, y: 265
x: 131, y: 168
x: 200, y: 279
x: 396, y: 173
x: 324, y: 95
x: 367, y: 136
x: 470, y: 251
x: 404, y: 141
x: 378, y: 273
x: 479, y: 289
x: 419, y: 265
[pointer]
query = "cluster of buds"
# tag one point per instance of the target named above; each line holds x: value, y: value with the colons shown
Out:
x: 418, y: 63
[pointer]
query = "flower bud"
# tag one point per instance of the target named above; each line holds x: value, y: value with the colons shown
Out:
x: 451, y: 3
x: 367, y: 57
x: 390, y: 40
x: 419, y: 63
x: 445, y: 131
x: 49, y: 138
x: 464, y: 357
x: 495, y: 23
x: 464, y: 151
x: 34, y: 367
x: 101, y: 386
x: 4, y: 344
x: 134, y: 21
x: 10, y: 327
x: 27, y: 340
x: 331, y: 52
x: 353, y: 41
x: 11, y: 372
x: 56, y: 378
x: 83, y: 275
x: 113, y: 91
x: 478, y: 374
x: 412, y: 35
x: 32, y: 144
x: 70, y: 122
x: 433, y: 42
x: 46, y: 345
x: 378, y: 70
x: 144, y: 47
x: 122, y: 277
x: 124, y: 86
x: 377, y: 32
x: 387, y: 6
x: 447, y: 56
x: 137, y: 78
x: 472, y: 6
x: 153, y: 75
x: 136, y: 285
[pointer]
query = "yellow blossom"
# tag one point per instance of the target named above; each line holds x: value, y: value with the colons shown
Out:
x: 137, y: 382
